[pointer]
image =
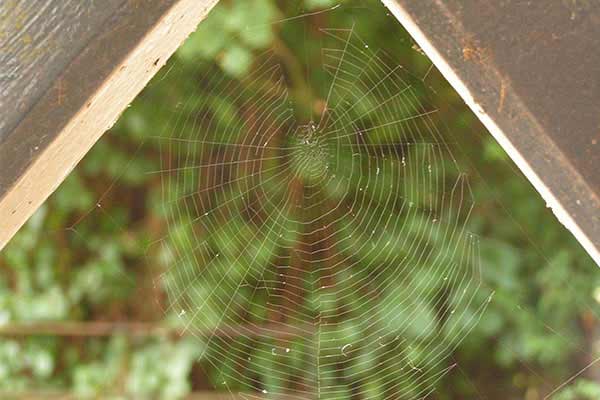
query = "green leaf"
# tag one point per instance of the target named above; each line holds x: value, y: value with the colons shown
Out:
x: 236, y: 61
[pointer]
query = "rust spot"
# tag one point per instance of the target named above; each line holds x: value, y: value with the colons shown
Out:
x: 60, y: 88
x: 471, y: 51
x: 502, y: 95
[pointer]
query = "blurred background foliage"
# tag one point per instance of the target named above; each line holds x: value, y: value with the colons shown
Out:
x: 88, y: 254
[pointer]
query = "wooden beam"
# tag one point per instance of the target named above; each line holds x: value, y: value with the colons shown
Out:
x: 57, y: 395
x: 67, y: 70
x: 530, y: 71
x: 142, y: 329
x: 205, y: 395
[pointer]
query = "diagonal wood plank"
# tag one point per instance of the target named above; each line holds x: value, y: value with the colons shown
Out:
x: 530, y: 71
x: 67, y: 70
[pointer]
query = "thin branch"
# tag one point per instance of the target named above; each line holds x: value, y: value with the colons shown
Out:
x: 144, y: 329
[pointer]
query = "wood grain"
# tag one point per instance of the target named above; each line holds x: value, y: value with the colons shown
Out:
x: 68, y: 69
x: 530, y: 71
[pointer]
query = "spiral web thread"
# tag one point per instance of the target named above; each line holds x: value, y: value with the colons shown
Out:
x: 321, y: 259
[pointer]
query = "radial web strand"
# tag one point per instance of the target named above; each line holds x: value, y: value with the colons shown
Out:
x: 328, y: 255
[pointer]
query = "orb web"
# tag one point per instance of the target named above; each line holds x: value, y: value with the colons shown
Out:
x: 324, y: 256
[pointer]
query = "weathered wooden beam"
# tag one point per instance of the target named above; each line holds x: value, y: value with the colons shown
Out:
x: 127, y: 328
x: 67, y: 70
x: 56, y: 395
x: 530, y: 71
x: 205, y: 395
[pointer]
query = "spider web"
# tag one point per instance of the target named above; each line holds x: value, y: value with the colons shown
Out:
x: 323, y: 256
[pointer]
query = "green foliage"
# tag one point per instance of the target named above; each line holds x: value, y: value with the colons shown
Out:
x: 583, y: 389
x: 162, y: 369
x: 88, y: 252
x: 320, y: 4
x: 231, y: 35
